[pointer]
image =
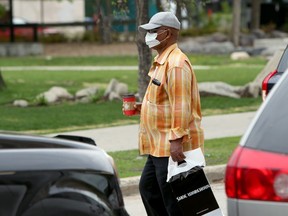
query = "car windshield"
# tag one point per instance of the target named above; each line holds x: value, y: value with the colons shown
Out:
x: 283, y: 64
x: 270, y: 131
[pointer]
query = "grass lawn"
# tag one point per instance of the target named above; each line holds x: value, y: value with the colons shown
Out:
x: 70, y: 116
x: 27, y: 84
x: 196, y: 59
x: 70, y: 61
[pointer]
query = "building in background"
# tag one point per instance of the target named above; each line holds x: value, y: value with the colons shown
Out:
x: 122, y: 21
x: 273, y: 13
x: 50, y: 11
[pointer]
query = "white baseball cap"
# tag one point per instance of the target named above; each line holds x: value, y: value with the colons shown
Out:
x: 161, y: 19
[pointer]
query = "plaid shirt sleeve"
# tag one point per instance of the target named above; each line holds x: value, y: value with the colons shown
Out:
x: 180, y: 94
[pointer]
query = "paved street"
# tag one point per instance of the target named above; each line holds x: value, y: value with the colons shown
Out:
x: 135, y: 207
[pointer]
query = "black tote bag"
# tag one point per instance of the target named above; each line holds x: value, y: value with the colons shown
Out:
x: 192, y: 189
x: 194, y: 194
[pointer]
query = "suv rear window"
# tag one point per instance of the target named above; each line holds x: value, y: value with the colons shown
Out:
x: 270, y: 131
x: 283, y: 64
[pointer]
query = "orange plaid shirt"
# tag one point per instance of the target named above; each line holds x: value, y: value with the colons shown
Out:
x: 171, y: 108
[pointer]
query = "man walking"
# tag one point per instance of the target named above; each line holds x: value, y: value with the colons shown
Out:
x: 170, y: 121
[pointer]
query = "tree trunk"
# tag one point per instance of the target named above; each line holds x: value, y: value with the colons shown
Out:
x: 145, y: 54
x: 236, y: 22
x: 192, y: 12
x: 2, y: 82
x: 255, y: 14
x: 105, y: 21
x: 159, y: 5
x: 178, y: 10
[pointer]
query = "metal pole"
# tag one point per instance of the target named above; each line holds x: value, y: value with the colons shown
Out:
x: 11, y: 25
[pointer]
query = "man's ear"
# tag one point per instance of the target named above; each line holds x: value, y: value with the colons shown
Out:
x: 169, y: 33
x: 174, y: 34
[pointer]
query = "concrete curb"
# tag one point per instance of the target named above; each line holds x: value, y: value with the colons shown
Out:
x: 129, y: 186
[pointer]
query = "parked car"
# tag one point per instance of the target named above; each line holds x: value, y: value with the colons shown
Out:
x: 270, y: 80
x: 65, y: 175
x: 256, y: 180
x: 25, y: 32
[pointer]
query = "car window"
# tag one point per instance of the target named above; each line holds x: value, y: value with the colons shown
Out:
x: 283, y: 64
x: 270, y: 130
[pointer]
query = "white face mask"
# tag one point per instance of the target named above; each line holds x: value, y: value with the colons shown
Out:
x: 151, y: 40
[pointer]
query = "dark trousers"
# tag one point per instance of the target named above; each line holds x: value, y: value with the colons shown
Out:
x: 156, y: 193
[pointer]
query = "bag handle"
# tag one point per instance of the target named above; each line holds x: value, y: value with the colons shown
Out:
x: 193, y: 158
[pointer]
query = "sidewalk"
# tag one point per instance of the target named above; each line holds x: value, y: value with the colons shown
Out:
x: 125, y: 138
x: 121, y: 138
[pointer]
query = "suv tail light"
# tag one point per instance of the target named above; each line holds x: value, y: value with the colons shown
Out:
x: 257, y: 175
x: 265, y: 84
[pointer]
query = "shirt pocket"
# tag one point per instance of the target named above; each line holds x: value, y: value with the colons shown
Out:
x: 160, y: 116
x: 157, y: 93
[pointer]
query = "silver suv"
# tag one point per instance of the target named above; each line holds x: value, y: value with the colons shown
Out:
x: 256, y: 180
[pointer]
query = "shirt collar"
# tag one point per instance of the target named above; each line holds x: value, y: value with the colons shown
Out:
x: 163, y: 57
x: 159, y: 60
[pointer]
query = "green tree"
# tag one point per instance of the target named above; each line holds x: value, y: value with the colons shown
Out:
x: 236, y: 22
x: 2, y: 82
x: 2, y: 10
x: 145, y: 54
x: 255, y: 14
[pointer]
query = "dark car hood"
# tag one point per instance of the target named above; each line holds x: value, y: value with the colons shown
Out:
x: 29, y: 152
x: 9, y: 140
x: 54, y: 159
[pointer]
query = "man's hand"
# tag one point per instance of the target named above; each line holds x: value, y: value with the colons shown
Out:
x: 137, y: 107
x: 176, y: 150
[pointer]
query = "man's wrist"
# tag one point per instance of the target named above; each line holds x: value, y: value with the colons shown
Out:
x: 176, y: 141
